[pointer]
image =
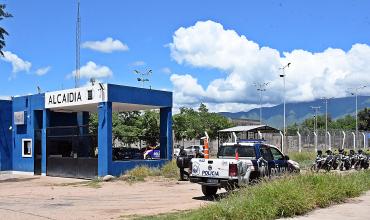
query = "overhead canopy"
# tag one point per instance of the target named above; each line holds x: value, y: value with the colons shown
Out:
x: 251, y: 128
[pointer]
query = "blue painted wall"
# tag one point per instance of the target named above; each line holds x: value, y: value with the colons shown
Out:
x: 140, y: 96
x: 104, y: 138
x: 27, y: 104
x: 5, y: 135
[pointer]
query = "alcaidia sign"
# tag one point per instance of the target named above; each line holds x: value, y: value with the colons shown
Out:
x: 78, y: 96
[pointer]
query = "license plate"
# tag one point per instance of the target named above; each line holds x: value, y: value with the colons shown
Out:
x: 212, y: 180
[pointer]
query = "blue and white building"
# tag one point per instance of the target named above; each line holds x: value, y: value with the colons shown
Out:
x: 48, y: 133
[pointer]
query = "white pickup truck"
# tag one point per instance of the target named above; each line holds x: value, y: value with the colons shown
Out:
x: 238, y: 164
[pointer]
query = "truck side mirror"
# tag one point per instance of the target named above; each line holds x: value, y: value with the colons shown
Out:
x: 286, y: 157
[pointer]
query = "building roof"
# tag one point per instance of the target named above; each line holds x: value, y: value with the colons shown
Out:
x: 251, y: 128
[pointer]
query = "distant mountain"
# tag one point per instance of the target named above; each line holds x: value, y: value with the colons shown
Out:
x: 298, y: 112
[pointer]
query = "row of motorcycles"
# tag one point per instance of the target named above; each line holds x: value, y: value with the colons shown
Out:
x: 341, y: 160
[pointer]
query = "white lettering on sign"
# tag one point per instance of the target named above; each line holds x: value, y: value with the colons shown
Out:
x: 79, y: 96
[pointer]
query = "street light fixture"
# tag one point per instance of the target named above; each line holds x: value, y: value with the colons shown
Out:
x: 282, y: 75
x: 261, y: 87
x: 143, y: 77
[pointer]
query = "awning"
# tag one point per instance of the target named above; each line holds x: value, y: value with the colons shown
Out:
x: 251, y: 128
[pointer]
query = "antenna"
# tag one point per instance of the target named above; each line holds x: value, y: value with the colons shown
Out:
x: 78, y: 41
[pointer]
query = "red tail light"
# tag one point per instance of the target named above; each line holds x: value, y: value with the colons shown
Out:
x: 233, y: 169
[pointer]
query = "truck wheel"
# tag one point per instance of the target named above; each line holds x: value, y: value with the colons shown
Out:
x: 209, y: 190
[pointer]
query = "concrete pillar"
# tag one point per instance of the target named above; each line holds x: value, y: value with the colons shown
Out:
x: 104, y: 138
x: 166, y: 133
x: 45, y: 125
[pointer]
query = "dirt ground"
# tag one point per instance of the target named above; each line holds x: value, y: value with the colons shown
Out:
x: 35, y: 197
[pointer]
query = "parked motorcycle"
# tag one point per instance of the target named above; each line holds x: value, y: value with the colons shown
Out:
x: 362, y: 161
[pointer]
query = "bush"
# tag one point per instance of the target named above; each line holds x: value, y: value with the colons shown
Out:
x: 139, y: 173
x: 170, y: 170
x: 285, y: 197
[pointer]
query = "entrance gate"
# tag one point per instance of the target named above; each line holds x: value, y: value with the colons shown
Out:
x: 71, y: 152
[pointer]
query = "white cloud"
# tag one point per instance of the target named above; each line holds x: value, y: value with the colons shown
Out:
x: 92, y: 70
x: 18, y: 64
x: 138, y: 63
x: 43, y: 70
x: 106, y: 46
x: 2, y: 97
x: 310, y: 76
x: 166, y: 70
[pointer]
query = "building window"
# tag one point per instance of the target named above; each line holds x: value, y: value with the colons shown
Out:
x: 26, y: 147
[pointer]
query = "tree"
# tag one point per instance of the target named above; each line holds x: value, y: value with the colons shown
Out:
x: 364, y: 120
x: 346, y: 123
x: 190, y: 124
x: 149, y: 125
x: 3, y: 32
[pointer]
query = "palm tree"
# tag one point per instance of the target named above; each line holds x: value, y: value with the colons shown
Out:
x: 3, y: 14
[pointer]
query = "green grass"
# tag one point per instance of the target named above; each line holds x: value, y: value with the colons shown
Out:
x: 305, y: 159
x: 169, y: 170
x: 284, y: 197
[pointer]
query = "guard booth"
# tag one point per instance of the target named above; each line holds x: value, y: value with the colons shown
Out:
x: 50, y: 133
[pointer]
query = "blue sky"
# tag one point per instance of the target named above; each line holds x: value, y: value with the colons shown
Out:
x: 43, y: 33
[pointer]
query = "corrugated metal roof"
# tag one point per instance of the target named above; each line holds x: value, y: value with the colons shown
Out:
x: 251, y: 128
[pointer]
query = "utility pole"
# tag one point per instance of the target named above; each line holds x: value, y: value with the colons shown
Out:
x: 282, y: 75
x: 261, y: 87
x: 78, y: 42
x: 316, y: 109
x: 326, y: 118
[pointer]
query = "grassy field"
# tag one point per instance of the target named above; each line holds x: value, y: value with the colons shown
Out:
x: 284, y: 197
x: 305, y: 159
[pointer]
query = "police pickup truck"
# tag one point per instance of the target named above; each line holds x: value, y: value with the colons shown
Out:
x: 238, y: 164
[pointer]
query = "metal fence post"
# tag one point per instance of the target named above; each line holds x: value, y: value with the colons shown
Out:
x: 314, y: 133
x: 329, y: 136
x: 354, y: 140
x: 282, y: 142
x: 299, y: 142
x: 344, y: 138
x: 363, y: 133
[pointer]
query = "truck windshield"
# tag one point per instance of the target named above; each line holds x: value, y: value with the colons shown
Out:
x: 229, y: 151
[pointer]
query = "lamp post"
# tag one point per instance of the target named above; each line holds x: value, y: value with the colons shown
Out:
x: 143, y: 77
x: 354, y: 91
x: 261, y: 87
x: 282, y: 75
